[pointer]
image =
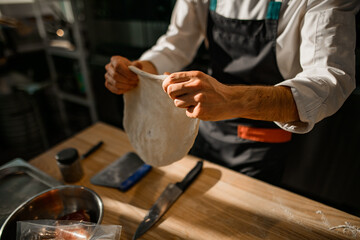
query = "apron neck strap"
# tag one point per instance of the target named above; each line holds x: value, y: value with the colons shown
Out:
x: 273, y: 11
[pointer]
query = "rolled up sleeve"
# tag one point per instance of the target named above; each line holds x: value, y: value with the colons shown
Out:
x: 327, y: 58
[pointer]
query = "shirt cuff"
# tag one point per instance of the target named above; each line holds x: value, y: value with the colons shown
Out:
x: 296, y: 127
x: 307, y: 120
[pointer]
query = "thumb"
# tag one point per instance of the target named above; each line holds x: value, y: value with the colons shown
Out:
x: 166, y: 73
x: 137, y: 64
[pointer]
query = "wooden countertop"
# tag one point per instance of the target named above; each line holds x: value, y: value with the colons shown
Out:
x: 220, y: 204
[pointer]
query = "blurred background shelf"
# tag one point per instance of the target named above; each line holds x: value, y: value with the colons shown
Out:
x: 64, y: 38
x: 41, y: 42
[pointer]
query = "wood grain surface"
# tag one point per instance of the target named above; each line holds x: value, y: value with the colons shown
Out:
x: 220, y: 204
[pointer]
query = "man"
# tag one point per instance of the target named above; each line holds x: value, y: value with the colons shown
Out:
x: 276, y: 68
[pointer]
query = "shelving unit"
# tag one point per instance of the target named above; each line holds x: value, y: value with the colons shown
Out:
x: 78, y: 54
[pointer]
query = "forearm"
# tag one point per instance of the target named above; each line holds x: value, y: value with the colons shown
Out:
x: 207, y: 99
x: 268, y: 103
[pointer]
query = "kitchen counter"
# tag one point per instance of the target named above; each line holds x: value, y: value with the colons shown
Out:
x: 220, y: 203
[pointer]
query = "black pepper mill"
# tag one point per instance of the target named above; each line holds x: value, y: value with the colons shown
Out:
x: 69, y: 164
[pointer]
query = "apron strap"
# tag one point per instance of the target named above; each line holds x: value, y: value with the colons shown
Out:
x: 212, y: 5
x: 268, y: 135
x: 273, y: 11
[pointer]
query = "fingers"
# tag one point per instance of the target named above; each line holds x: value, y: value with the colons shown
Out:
x: 188, y: 84
x: 119, y: 63
x: 118, y: 78
x: 175, y: 78
x: 185, y: 88
x: 176, y: 90
x: 137, y: 64
x: 112, y: 88
x: 110, y: 70
x: 119, y: 82
x: 118, y: 86
x: 192, y: 107
x: 185, y: 101
x: 192, y: 111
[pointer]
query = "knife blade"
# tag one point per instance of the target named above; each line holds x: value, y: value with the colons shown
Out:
x: 171, y: 193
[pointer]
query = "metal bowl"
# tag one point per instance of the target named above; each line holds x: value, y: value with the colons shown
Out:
x: 53, y: 204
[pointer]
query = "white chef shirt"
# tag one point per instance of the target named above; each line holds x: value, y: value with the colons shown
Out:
x: 315, y: 48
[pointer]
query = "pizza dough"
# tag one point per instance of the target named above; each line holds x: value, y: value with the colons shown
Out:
x: 160, y: 132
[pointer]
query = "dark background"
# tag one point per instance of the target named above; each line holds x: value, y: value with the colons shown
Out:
x: 324, y: 165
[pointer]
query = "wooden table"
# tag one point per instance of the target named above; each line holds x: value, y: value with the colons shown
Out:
x: 220, y: 204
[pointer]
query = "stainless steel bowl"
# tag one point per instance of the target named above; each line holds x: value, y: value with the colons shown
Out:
x: 53, y: 204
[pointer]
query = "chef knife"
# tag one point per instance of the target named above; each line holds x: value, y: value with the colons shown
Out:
x: 166, y: 199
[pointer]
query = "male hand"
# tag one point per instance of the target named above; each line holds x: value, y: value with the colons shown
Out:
x: 118, y: 78
x: 202, y: 95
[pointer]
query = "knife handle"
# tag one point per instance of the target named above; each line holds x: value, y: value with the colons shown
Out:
x: 190, y: 177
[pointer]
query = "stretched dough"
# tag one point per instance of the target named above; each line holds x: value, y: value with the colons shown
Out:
x: 159, y: 132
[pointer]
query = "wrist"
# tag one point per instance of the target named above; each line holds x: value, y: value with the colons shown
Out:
x: 241, y: 101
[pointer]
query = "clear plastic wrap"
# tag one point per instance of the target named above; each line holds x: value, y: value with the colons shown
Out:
x: 66, y: 230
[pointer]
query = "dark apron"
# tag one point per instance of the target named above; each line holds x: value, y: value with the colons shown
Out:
x: 244, y: 52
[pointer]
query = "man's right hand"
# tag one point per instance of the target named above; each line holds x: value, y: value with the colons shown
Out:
x: 118, y: 77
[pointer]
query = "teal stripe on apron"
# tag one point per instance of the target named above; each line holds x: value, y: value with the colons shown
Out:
x: 213, y: 4
x: 273, y: 10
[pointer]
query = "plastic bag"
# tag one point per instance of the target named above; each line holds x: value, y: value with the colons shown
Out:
x: 66, y: 230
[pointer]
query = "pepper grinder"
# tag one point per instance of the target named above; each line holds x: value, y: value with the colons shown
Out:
x: 69, y: 164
